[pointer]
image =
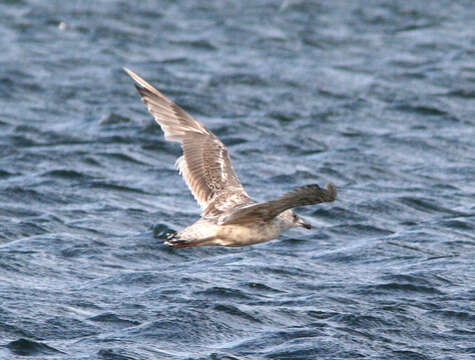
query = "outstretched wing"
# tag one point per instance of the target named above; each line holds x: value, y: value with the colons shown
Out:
x: 301, y: 196
x: 205, y: 164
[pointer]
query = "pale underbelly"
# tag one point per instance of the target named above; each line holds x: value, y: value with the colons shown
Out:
x: 207, y: 233
x: 235, y: 235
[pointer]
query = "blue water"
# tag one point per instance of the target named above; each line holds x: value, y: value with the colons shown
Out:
x: 376, y: 97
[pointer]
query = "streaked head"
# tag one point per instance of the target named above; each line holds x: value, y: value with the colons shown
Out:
x: 293, y: 220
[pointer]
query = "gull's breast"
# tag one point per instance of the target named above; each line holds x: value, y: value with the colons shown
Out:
x: 241, y: 235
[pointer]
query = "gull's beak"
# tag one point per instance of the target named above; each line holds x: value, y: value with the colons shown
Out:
x: 304, y: 224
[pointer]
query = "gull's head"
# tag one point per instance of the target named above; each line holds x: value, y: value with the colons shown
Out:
x: 293, y: 220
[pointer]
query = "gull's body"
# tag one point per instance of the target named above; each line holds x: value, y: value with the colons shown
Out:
x: 229, y: 216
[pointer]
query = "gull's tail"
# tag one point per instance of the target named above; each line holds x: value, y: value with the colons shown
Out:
x: 175, y: 241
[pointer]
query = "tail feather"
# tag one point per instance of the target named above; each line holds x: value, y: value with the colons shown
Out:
x: 174, y: 240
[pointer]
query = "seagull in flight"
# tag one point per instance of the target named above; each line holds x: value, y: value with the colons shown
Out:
x: 230, y: 217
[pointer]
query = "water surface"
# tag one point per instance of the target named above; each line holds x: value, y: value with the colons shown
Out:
x: 376, y: 98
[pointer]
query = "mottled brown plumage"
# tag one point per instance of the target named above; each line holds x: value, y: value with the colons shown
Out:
x: 266, y: 211
x: 229, y: 216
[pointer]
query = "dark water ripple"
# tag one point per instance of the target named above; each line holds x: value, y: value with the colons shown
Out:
x: 376, y: 97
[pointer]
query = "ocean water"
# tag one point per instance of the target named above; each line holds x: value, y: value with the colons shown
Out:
x: 376, y: 97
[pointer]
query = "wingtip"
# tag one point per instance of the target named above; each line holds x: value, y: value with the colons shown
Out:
x: 133, y: 75
x: 142, y: 84
x: 331, y: 190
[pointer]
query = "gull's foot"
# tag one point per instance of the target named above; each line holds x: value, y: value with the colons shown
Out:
x: 178, y: 243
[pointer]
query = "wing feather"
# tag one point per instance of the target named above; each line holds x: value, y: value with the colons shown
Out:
x: 205, y: 164
x: 265, y: 211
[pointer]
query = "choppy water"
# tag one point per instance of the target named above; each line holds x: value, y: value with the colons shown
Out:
x: 377, y: 97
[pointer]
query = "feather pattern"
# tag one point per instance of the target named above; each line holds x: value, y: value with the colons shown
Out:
x: 265, y: 211
x: 205, y: 164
